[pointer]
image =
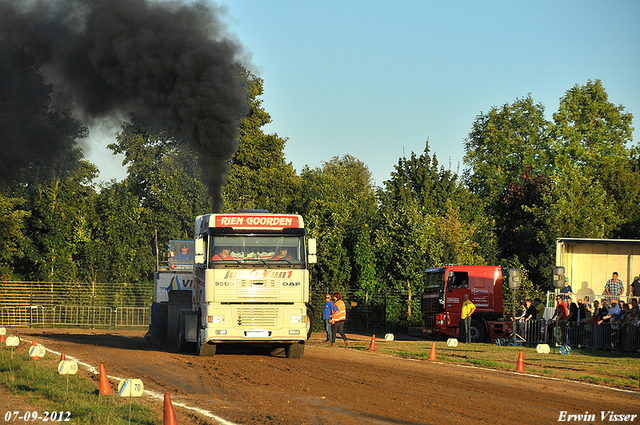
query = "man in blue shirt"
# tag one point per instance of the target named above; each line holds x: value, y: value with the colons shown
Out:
x: 326, y: 316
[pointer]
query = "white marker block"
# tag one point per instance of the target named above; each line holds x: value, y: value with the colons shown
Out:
x: 67, y: 367
x: 13, y: 341
x: 452, y: 342
x: 543, y: 349
x: 3, y: 331
x: 37, y: 351
x: 388, y: 337
x: 130, y: 388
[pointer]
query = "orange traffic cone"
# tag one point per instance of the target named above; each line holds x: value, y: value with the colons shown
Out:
x: 3, y: 338
x: 105, y: 388
x: 372, y: 344
x: 169, y: 414
x: 33, y: 344
x: 62, y: 357
x: 520, y: 367
x: 432, y: 354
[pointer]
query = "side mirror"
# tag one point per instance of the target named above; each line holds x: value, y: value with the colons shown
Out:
x: 450, y: 279
x: 312, y: 257
x: 199, y: 257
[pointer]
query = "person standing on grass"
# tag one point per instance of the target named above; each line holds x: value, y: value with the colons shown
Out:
x: 468, y: 308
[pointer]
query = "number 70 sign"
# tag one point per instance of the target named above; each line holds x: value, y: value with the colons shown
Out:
x: 130, y: 388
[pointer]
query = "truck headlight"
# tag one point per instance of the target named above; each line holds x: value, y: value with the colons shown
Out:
x: 298, y: 319
x: 215, y: 319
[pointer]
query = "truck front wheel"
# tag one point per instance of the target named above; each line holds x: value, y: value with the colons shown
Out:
x: 294, y: 350
x: 204, y: 350
x: 310, y: 320
x: 477, y: 331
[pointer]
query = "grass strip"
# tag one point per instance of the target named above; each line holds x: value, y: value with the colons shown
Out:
x: 39, y: 383
x: 603, y: 367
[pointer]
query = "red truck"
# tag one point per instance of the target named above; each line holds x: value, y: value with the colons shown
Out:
x: 444, y: 294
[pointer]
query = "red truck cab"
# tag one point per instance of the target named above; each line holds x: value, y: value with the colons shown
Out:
x: 443, y: 296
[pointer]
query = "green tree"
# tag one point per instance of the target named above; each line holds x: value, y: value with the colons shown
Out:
x: 339, y: 207
x: 58, y: 226
x: 163, y: 174
x: 501, y: 145
x: 426, y: 218
x: 574, y: 177
x: 121, y: 251
x: 597, y: 186
x: 590, y: 131
x: 12, y: 237
x: 403, y: 241
x: 524, y: 230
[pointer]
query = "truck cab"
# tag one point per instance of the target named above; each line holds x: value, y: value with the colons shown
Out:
x: 443, y: 296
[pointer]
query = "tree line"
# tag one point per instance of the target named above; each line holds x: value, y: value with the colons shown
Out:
x: 525, y: 181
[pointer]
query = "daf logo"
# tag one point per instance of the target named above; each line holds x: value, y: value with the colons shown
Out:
x: 291, y: 283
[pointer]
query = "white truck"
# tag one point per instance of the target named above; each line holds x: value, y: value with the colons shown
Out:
x: 250, y: 284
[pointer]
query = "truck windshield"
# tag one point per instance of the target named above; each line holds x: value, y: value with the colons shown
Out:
x: 261, y: 248
x: 434, y: 281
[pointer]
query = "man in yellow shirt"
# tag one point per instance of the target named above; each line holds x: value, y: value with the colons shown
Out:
x: 468, y: 308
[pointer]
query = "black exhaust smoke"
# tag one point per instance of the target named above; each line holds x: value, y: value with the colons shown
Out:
x: 167, y: 62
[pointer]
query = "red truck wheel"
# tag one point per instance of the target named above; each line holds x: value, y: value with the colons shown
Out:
x: 477, y: 331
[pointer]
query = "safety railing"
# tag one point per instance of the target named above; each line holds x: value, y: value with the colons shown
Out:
x: 588, y: 298
x: 73, y: 316
x: 82, y: 316
x: 131, y: 317
x: 612, y: 336
x: 22, y: 316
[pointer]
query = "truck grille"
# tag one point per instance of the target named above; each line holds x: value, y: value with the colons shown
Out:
x: 430, y: 322
x: 431, y: 303
x: 259, y: 317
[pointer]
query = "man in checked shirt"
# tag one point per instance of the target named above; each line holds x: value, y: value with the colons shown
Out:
x: 614, y: 286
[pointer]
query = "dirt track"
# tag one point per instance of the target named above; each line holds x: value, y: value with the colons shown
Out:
x: 335, y: 385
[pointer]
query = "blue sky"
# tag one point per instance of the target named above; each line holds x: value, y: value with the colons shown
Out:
x: 375, y: 79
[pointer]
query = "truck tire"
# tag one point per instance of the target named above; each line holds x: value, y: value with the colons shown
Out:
x: 294, y: 350
x: 477, y: 331
x: 204, y: 350
x: 310, y: 320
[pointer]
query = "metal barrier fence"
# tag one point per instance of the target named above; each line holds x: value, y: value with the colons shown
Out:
x: 75, y: 304
x: 609, y: 336
x: 22, y: 316
x: 586, y: 297
x: 82, y: 316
